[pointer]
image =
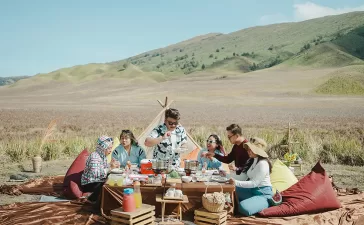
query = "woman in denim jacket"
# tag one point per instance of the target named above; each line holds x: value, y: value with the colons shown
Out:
x: 128, y: 150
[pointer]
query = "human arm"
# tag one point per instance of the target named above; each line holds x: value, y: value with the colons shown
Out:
x: 225, y: 159
x: 141, y: 154
x: 259, y: 173
x: 155, y: 138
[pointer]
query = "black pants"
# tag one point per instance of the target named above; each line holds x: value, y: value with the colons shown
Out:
x: 95, y: 188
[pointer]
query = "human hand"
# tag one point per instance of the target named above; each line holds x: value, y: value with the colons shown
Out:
x: 232, y: 181
x: 167, y: 135
x: 114, y: 164
x: 232, y: 167
x: 203, y: 154
x: 209, y: 155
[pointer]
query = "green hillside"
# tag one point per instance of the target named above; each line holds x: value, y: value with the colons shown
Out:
x: 332, y: 41
x: 265, y: 46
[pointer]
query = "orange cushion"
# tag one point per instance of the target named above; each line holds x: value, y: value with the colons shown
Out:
x: 72, y: 181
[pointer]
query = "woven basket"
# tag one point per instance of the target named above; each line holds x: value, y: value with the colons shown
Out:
x: 212, y: 207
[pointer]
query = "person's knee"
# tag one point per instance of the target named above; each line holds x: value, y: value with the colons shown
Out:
x: 245, y: 209
x: 253, y: 205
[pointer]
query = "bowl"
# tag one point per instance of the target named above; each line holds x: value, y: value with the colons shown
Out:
x: 186, y: 179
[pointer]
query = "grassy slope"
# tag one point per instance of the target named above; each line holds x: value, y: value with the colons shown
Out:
x: 340, y: 42
x: 284, y: 40
x: 345, y: 81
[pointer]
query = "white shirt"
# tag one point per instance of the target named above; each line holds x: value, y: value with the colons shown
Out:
x: 258, y: 175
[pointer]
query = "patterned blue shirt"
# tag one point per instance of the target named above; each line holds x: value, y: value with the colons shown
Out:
x: 137, y: 153
x: 164, y: 150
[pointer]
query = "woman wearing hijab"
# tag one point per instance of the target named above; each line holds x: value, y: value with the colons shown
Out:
x: 97, y: 168
x: 253, y: 186
x: 128, y: 150
x: 214, y: 145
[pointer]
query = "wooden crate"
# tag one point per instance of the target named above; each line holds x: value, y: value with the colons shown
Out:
x: 204, y: 217
x: 142, y: 216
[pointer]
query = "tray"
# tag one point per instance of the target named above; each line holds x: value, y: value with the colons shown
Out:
x: 219, y: 179
x: 117, y: 171
x: 173, y: 198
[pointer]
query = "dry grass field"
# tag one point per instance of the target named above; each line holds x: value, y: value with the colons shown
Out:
x: 262, y: 102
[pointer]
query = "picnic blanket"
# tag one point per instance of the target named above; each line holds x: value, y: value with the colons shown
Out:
x: 79, y: 212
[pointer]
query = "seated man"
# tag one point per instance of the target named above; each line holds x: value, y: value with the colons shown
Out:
x: 168, y: 138
x: 237, y: 154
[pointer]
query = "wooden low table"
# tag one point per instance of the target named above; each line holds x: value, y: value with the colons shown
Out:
x: 111, y: 196
x: 158, y: 198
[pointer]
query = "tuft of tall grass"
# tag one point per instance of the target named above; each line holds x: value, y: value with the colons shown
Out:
x: 341, y: 146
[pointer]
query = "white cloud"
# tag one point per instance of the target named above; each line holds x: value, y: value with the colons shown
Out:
x: 311, y: 10
x: 273, y: 18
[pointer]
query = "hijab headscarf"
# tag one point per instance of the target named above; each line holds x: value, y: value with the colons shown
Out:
x: 103, y: 143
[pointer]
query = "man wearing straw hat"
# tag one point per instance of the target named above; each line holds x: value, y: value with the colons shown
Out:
x: 253, y: 186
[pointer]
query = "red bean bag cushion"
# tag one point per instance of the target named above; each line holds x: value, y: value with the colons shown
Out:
x: 72, y: 181
x: 312, y: 194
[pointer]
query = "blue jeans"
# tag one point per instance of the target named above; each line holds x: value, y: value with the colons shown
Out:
x: 253, y: 200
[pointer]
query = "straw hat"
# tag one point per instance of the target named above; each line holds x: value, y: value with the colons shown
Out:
x: 258, y: 146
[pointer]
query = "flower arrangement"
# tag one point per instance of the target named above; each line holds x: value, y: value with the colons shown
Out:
x: 290, y: 158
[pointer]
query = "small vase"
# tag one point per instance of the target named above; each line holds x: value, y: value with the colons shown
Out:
x: 37, y: 164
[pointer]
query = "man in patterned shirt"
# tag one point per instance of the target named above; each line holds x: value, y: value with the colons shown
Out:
x: 168, y: 138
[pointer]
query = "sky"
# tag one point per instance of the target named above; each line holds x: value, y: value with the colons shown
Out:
x: 41, y: 36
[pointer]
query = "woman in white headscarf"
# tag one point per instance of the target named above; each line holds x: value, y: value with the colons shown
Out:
x: 97, y: 168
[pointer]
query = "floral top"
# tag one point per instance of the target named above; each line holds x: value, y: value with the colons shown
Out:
x: 137, y: 153
x: 166, y: 148
x: 96, y: 164
x: 95, y: 170
x: 211, y: 164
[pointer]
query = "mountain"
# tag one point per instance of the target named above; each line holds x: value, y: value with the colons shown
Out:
x: 11, y: 80
x: 327, y: 42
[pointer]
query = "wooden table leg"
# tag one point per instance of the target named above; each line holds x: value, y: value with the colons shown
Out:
x: 233, y: 199
x: 163, y: 210
x: 180, y: 211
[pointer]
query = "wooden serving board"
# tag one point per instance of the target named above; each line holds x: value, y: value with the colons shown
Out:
x: 173, y: 198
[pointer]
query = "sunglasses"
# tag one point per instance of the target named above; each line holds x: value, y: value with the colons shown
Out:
x: 210, y: 141
x: 252, y: 140
x: 172, y: 123
x: 109, y: 139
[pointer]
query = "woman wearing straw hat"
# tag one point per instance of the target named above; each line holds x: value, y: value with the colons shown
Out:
x: 253, y: 186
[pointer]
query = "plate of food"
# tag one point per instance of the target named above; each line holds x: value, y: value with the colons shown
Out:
x: 117, y: 170
x: 202, y: 179
x: 219, y: 179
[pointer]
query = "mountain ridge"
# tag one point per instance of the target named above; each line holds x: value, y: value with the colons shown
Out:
x: 286, y: 44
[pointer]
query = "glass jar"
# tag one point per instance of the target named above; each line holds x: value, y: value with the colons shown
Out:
x: 128, y: 200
